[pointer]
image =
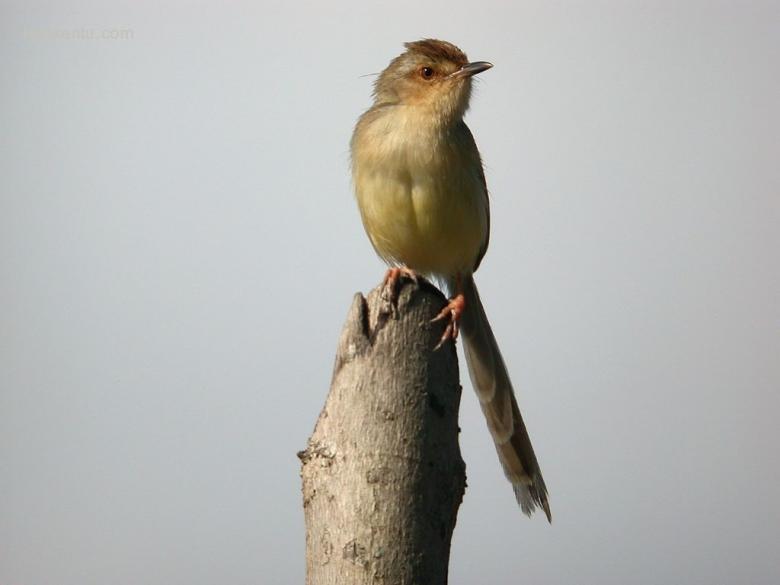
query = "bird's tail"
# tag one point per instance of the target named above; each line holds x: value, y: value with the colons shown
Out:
x: 490, y: 379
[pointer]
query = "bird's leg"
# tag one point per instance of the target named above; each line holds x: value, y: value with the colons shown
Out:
x: 392, y: 277
x: 452, y: 311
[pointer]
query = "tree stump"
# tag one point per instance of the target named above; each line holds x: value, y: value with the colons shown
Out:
x: 382, y: 473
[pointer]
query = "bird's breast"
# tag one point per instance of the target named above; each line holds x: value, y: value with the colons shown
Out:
x: 421, y: 196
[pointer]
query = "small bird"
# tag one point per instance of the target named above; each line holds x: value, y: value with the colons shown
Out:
x: 423, y: 199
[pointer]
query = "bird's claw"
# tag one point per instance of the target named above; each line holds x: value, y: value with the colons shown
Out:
x: 452, y: 311
x: 391, y: 280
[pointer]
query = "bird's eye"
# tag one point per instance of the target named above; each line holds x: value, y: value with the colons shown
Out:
x: 427, y: 72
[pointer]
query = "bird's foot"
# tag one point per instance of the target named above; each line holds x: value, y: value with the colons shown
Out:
x: 392, y: 278
x: 452, y: 312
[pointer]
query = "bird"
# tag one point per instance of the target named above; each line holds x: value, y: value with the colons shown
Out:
x: 421, y: 191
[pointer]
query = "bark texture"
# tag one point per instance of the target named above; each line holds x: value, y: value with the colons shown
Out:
x: 382, y: 473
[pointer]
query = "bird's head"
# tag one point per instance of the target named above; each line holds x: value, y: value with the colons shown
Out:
x: 430, y: 74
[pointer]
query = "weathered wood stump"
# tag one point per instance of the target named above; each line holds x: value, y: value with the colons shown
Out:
x: 382, y: 473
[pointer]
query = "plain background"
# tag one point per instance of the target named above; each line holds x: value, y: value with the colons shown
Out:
x: 180, y: 245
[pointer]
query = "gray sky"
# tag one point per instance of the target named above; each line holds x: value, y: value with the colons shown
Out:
x: 179, y: 246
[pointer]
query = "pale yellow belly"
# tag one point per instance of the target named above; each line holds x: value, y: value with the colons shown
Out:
x: 432, y: 222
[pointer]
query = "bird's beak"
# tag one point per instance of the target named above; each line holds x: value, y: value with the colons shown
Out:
x: 470, y: 69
